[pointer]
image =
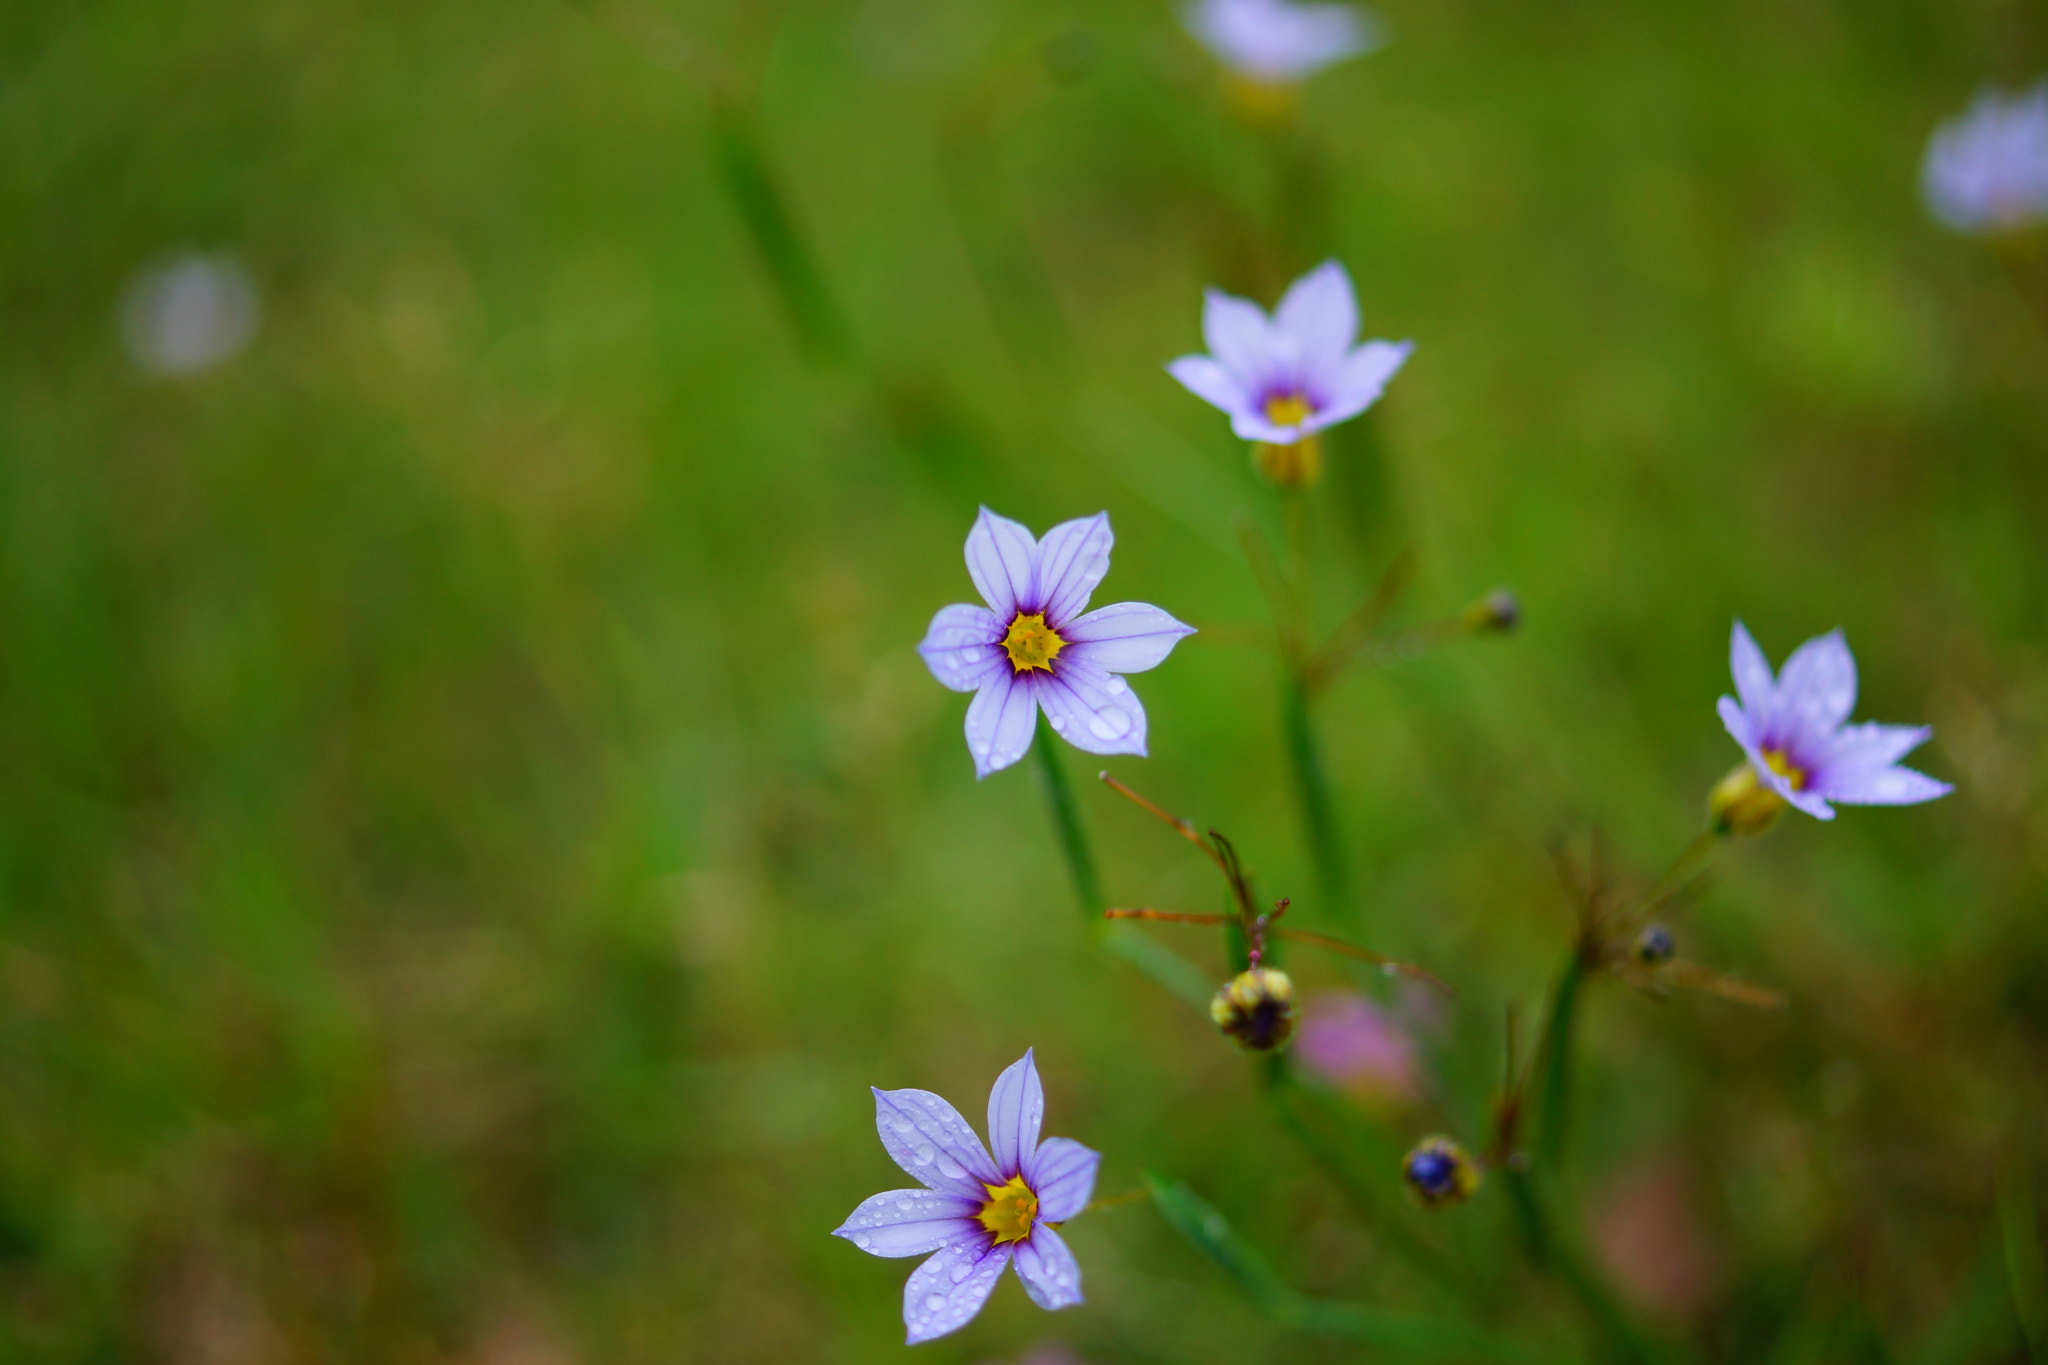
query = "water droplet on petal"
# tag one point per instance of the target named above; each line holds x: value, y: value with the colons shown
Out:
x: 923, y: 1155
x: 934, y: 1302
x: 950, y: 1168
x: 862, y: 1240
x: 961, y: 1270
x: 1109, y: 724
x: 1117, y: 686
x: 903, y: 1203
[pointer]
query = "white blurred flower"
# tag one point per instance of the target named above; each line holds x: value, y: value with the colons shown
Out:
x: 1278, y: 41
x: 1987, y: 171
x: 188, y: 315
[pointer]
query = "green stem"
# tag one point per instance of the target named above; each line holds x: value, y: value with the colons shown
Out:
x: 1684, y: 867
x: 1312, y: 788
x: 1066, y: 822
x: 736, y: 152
x: 1554, y: 1065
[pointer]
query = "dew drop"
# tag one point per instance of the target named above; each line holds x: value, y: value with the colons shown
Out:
x: 934, y: 1302
x: 903, y: 1203
x: 961, y: 1270
x: 1109, y: 724
x: 862, y: 1240
x: 950, y: 1168
x: 1117, y: 686
x: 923, y: 1155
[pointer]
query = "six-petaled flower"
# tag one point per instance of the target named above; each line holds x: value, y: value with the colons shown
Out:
x: 1283, y: 379
x: 1800, y: 751
x: 981, y: 1209
x: 1036, y: 646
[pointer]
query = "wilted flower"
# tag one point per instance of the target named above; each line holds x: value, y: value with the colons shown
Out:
x: 1799, y: 750
x: 188, y: 315
x: 1987, y: 171
x: 1350, y: 1042
x: 1439, y: 1172
x: 1284, y: 379
x: 979, y: 1213
x: 1276, y: 41
x: 1031, y: 647
x: 1256, y: 1009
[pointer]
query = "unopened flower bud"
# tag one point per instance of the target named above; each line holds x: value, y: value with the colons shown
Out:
x: 1743, y: 805
x: 1440, y: 1173
x: 1256, y: 1008
x: 1653, y: 945
x: 1295, y: 466
x: 1500, y: 610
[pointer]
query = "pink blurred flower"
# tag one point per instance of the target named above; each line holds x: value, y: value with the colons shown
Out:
x: 1653, y: 1239
x: 1352, y: 1044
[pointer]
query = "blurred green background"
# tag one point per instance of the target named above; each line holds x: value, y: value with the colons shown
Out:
x: 474, y: 822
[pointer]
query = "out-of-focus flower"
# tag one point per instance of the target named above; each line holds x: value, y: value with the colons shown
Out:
x: 979, y: 1212
x: 1277, y: 41
x: 1800, y: 751
x: 1654, y: 1240
x: 1351, y: 1043
x: 1440, y: 1173
x: 188, y: 315
x: 1987, y: 171
x: 1256, y: 1009
x: 1283, y: 379
x: 1032, y: 647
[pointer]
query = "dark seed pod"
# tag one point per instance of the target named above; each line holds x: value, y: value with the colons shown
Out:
x: 1440, y: 1173
x: 1654, y: 945
x: 1256, y: 1009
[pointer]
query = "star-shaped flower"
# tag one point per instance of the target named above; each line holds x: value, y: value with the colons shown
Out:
x: 1792, y: 729
x: 1283, y: 379
x: 1987, y: 171
x: 1032, y: 647
x: 979, y: 1212
x: 1276, y: 41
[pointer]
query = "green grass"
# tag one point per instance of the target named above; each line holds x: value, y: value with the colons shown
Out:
x: 473, y: 821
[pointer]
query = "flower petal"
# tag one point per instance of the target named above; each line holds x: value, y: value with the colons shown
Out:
x: 910, y: 1222
x: 945, y: 1293
x: 1887, y: 787
x: 1016, y: 1107
x: 1062, y: 1174
x: 927, y: 1137
x: 1816, y: 689
x: 1238, y: 335
x: 963, y: 646
x: 1747, y: 731
x: 1002, y: 559
x: 1742, y: 727
x: 1753, y: 681
x: 1051, y: 1275
x: 1319, y: 314
x: 1126, y: 637
x: 1092, y: 710
x: 1210, y: 382
x: 1072, y: 558
x: 1359, y: 382
x: 1867, y: 748
x: 1000, y: 720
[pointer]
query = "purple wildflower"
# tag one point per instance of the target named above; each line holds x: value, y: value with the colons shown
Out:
x: 1792, y: 729
x: 978, y: 1212
x: 1277, y: 41
x: 1285, y: 378
x: 1987, y: 171
x: 1032, y: 648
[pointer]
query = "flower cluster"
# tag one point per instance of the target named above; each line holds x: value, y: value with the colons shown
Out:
x: 1279, y: 41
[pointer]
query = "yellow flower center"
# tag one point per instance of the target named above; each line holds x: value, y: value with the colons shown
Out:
x: 1288, y: 410
x: 1778, y: 763
x: 1032, y: 643
x: 1009, y: 1210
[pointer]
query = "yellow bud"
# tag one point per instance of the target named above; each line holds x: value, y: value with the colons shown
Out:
x: 1741, y: 804
x: 1256, y: 1009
